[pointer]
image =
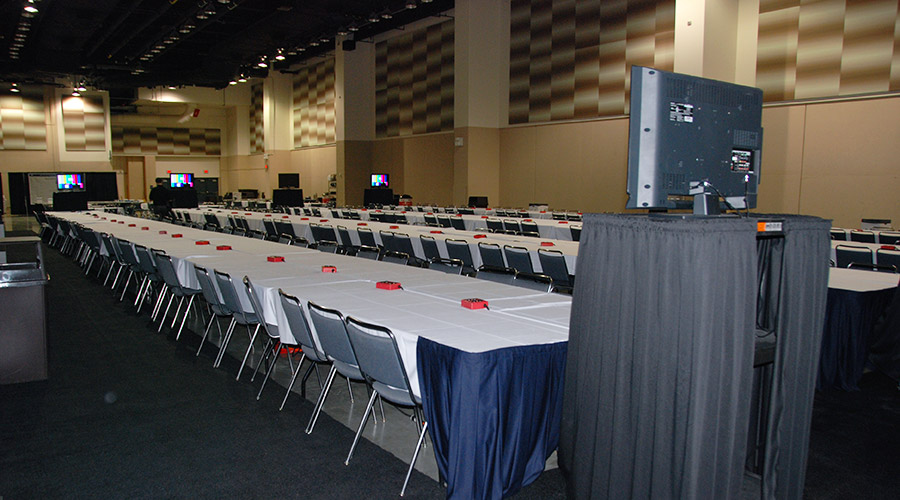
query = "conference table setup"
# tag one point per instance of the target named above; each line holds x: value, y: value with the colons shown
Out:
x: 304, y: 226
x: 490, y: 379
x: 853, y: 236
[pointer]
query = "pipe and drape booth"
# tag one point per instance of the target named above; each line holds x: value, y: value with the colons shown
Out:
x: 662, y: 389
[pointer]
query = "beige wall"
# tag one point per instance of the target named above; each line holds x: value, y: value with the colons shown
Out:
x: 572, y: 166
x: 420, y: 166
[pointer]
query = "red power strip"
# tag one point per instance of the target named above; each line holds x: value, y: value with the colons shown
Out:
x: 474, y: 303
x: 329, y: 269
x: 387, y: 285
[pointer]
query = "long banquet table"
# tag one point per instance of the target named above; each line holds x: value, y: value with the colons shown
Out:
x: 490, y: 380
x: 302, y: 227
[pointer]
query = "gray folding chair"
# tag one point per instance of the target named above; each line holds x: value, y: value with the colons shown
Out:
x: 860, y: 236
x: 491, y: 254
x: 518, y: 258
x: 173, y: 286
x: 381, y: 364
x: 332, y: 333
x: 273, y: 339
x: 458, y: 223
x: 449, y: 266
x: 217, y: 308
x: 459, y: 250
x: 239, y: 316
x: 539, y: 282
x: 299, y: 327
x: 494, y: 224
x: 848, y: 254
x: 554, y: 265
x: 429, y: 246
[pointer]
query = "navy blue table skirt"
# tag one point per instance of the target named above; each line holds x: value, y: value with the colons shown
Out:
x: 493, y: 416
x: 849, y: 321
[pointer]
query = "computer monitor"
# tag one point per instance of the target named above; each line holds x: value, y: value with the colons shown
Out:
x: 692, y: 141
x: 380, y: 180
x: 65, y: 182
x: 181, y: 180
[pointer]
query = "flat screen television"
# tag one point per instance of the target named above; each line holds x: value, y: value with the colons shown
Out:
x: 65, y: 182
x: 692, y: 141
x: 380, y: 180
x: 181, y: 180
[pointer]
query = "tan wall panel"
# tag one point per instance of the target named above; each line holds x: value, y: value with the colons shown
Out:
x: 387, y: 158
x: 314, y: 166
x: 575, y: 166
x: 428, y: 169
x: 782, y: 160
x: 354, y: 163
x: 850, y: 161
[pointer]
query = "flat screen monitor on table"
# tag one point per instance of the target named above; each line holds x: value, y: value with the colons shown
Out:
x: 65, y: 182
x: 380, y: 180
x: 181, y: 180
x: 692, y: 141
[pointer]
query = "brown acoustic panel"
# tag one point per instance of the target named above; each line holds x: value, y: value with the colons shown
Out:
x: 84, y: 123
x: 257, y: 132
x: 828, y: 48
x: 164, y: 141
x: 313, y: 108
x: 570, y: 60
x: 22, y: 120
x: 414, y: 82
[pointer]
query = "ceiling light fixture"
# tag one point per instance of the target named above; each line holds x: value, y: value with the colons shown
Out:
x: 314, y: 44
x: 202, y: 15
x: 242, y: 78
x: 14, y: 87
x: 386, y: 15
x: 31, y: 8
x: 411, y: 5
x: 374, y: 18
x: 75, y: 93
x: 171, y: 87
x: 232, y: 82
x: 262, y: 63
x: 353, y: 28
x: 280, y: 55
x: 81, y: 87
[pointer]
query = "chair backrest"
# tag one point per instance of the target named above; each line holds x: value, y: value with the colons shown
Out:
x: 299, y: 327
x: 387, y: 241
x: 847, y: 254
x: 208, y: 288
x: 379, y: 359
x: 554, y: 265
x: 494, y: 224
x: 491, y: 254
x: 511, y: 225
x: 529, y: 227
x: 286, y: 239
x: 403, y: 244
x: 838, y: 234
x: 862, y: 236
x: 212, y: 220
x: 127, y: 252
x: 431, y: 220
x: 166, y: 269
x: 333, y: 339
x: 259, y: 235
x: 518, y: 258
x: 344, y: 235
x: 504, y: 275
x: 573, y: 217
x: 888, y: 238
x: 146, y: 262
x: 256, y: 305
x: 459, y: 249
x: 887, y: 257
x: 558, y: 216
x: 231, y: 300
x: 285, y: 227
x: 366, y: 237
x: 458, y: 223
x: 429, y: 246
x: 271, y: 230
x: 576, y: 232
x: 443, y: 221
x: 540, y: 282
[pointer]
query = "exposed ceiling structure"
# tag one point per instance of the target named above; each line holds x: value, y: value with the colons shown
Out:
x: 119, y: 44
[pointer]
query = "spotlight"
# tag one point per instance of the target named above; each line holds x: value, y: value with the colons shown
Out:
x: 313, y: 44
x: 171, y: 87
x: 353, y: 28
x: 280, y: 55
x: 386, y: 15
x: 242, y: 79
x: 202, y: 15
x: 75, y: 93
x: 232, y: 82
x: 81, y: 87
x: 14, y: 87
x: 31, y: 8
x: 374, y: 18
x: 262, y: 64
x: 411, y: 5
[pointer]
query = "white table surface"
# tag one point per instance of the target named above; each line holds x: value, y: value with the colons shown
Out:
x: 428, y: 305
x: 860, y: 280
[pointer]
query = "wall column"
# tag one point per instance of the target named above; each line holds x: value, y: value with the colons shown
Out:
x: 354, y: 117
x: 481, y: 83
x: 717, y: 39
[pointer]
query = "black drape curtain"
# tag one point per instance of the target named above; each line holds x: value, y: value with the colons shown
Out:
x: 658, y: 376
x: 801, y: 319
x: 101, y: 186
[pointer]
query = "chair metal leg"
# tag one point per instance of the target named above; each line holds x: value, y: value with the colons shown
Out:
x: 249, y: 348
x: 205, y: 333
x: 264, y: 357
x: 184, y: 319
x: 159, y: 300
x: 321, y: 401
x: 166, y: 313
x: 269, y: 371
x: 415, y: 456
x: 293, y: 379
x: 177, y: 310
x: 125, y: 288
x: 362, y: 424
x: 224, y: 346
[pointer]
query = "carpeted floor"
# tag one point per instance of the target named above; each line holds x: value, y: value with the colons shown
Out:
x: 127, y: 413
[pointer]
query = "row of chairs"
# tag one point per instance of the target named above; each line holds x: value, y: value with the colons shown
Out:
x: 851, y: 256
x: 862, y: 236
x: 358, y: 351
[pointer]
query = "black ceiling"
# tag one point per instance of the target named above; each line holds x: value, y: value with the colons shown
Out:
x: 104, y: 41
